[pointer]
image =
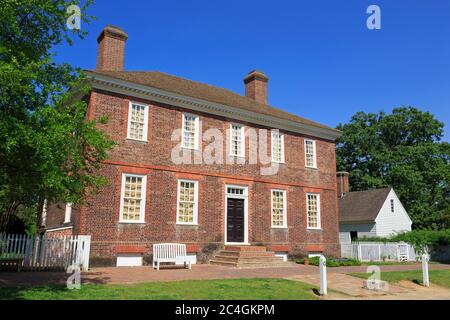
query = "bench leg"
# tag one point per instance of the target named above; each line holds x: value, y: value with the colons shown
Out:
x: 158, y: 265
x: 190, y: 266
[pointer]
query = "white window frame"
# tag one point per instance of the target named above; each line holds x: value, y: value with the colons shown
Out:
x: 68, y: 213
x: 196, y: 133
x: 242, y: 151
x: 195, y: 219
x: 284, y: 208
x: 314, y: 154
x: 144, y: 198
x: 319, y: 224
x: 281, y: 135
x: 145, y: 131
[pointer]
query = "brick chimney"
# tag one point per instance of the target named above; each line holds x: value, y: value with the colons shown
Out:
x: 256, y: 86
x: 343, y: 185
x: 111, y: 49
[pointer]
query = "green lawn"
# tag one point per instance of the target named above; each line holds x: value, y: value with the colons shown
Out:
x: 232, y: 289
x: 390, y: 263
x: 439, y: 277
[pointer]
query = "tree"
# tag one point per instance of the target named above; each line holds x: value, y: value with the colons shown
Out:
x: 403, y: 150
x: 48, y: 149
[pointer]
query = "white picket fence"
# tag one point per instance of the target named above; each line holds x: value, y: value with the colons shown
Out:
x: 39, y: 253
x: 378, y: 251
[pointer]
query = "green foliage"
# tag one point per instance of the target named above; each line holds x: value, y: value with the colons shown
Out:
x: 331, y: 262
x: 420, y: 239
x: 374, y: 239
x: 49, y: 149
x: 403, y: 150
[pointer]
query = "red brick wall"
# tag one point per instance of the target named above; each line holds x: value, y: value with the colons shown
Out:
x: 56, y: 214
x: 99, y: 218
x: 58, y: 233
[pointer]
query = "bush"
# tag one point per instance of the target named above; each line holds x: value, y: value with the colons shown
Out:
x: 374, y: 239
x: 420, y: 239
x: 344, y: 262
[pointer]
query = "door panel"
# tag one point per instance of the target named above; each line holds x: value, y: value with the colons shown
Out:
x: 235, y: 220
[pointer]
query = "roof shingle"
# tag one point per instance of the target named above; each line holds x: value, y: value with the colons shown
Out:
x: 362, y: 205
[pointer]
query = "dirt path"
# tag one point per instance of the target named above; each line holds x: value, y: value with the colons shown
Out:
x: 346, y: 287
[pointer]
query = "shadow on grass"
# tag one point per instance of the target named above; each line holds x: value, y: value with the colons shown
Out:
x: 21, y: 293
x: 316, y: 291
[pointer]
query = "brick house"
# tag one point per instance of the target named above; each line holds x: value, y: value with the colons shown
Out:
x: 154, y: 197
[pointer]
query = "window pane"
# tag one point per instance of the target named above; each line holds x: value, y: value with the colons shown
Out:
x: 137, y: 122
x: 132, y: 198
x: 236, y: 140
x: 189, y: 131
x: 309, y: 153
x: 186, y: 205
x: 278, y: 209
x: 277, y: 147
x: 312, y: 208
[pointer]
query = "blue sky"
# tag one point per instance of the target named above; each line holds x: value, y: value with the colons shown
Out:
x: 322, y: 61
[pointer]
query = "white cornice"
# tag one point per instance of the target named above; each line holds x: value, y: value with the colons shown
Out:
x: 111, y: 84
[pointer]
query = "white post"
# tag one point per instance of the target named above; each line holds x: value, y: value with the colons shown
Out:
x: 379, y: 252
x: 323, y: 276
x: 426, y: 278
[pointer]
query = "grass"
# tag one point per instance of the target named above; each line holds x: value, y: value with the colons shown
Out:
x: 230, y: 289
x: 439, y: 277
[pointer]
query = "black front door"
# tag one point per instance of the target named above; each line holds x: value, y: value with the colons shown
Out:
x: 235, y: 220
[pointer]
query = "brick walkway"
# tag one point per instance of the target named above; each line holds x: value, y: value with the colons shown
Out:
x: 198, y: 272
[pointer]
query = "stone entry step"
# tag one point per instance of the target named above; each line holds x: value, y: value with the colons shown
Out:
x: 247, y: 257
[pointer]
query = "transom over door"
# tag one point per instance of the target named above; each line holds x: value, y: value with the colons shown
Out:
x: 235, y: 220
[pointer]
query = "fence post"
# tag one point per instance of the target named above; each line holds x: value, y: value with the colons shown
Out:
x: 323, y: 275
x: 359, y: 252
x: 379, y: 252
x: 426, y: 278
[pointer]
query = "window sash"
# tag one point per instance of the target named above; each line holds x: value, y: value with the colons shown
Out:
x: 190, y: 131
x: 310, y: 154
x: 277, y: 147
x: 137, y: 121
x: 187, y: 202
x: 237, y: 140
x: 278, y: 212
x: 132, y: 201
x: 313, y: 210
x: 68, y: 213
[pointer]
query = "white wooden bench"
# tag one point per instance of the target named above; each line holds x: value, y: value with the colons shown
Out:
x: 170, y: 252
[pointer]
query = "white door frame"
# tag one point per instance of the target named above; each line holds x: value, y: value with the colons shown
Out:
x: 243, y: 196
